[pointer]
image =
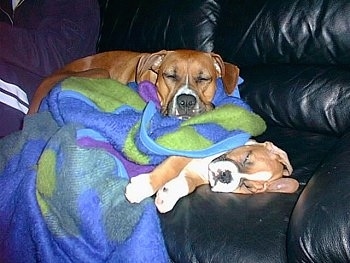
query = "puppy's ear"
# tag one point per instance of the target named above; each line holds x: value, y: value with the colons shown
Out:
x: 227, y: 71
x: 283, y: 185
x: 280, y: 185
x: 251, y: 187
x: 281, y: 157
x: 148, y: 66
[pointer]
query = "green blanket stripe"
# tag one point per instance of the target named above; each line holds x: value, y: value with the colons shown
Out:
x: 46, y: 179
x: 230, y: 117
x: 107, y: 94
x: 131, y: 150
x: 193, y: 140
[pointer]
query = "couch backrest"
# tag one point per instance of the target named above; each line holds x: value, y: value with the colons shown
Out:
x: 288, y: 31
x: 246, y: 32
x: 152, y: 25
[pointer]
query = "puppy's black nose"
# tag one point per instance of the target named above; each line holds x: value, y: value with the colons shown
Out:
x: 186, y: 102
x: 225, y: 176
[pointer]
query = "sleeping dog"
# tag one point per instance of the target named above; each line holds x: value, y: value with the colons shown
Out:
x: 185, y: 79
x: 249, y: 169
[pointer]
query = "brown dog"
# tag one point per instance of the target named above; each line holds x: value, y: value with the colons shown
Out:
x: 252, y: 168
x: 185, y: 79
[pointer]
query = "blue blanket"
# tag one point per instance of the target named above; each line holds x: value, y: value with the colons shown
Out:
x: 63, y: 176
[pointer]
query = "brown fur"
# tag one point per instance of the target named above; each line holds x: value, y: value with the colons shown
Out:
x: 125, y: 66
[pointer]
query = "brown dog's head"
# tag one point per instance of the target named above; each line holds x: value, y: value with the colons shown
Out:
x: 252, y: 168
x: 186, y: 79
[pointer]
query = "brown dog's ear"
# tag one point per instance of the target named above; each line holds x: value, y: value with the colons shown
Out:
x: 228, y: 72
x: 283, y: 185
x: 148, y: 66
x: 230, y: 78
x: 282, y: 157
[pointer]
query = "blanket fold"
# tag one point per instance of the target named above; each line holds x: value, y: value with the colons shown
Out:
x: 129, y: 122
x: 64, y: 202
x: 63, y: 176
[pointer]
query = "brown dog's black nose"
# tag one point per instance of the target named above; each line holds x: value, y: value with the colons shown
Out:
x: 186, y: 103
x: 225, y: 176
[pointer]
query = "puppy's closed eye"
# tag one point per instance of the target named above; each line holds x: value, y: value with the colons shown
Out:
x: 247, y: 159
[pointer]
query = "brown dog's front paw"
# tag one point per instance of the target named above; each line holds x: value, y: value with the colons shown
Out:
x: 139, y: 188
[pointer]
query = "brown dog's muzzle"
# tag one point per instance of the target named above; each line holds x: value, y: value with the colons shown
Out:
x: 186, y: 103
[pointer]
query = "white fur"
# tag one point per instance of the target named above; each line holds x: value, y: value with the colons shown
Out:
x: 216, y: 185
x: 170, y: 193
x: 139, y: 188
x: 217, y: 68
x: 158, y: 62
x: 259, y: 176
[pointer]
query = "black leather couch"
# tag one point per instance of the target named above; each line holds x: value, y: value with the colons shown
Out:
x: 295, y: 59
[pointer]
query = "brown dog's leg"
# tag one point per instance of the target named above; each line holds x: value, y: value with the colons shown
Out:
x: 145, y: 185
x: 48, y: 83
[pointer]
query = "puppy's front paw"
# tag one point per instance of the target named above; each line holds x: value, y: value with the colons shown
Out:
x: 170, y: 193
x: 166, y: 199
x: 139, y: 188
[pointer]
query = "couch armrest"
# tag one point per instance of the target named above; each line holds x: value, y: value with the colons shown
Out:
x: 319, y: 228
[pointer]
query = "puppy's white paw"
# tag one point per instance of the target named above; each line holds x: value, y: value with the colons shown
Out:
x: 166, y: 199
x: 170, y: 193
x: 139, y: 188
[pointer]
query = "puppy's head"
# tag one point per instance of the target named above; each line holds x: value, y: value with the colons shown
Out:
x: 186, y: 79
x: 252, y: 168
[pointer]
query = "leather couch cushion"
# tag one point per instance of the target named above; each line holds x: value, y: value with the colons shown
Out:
x: 252, y: 32
x: 308, y: 98
x: 170, y: 25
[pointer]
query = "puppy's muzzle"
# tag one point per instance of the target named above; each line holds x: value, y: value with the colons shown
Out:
x: 222, y: 169
x: 224, y: 177
x: 224, y: 174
